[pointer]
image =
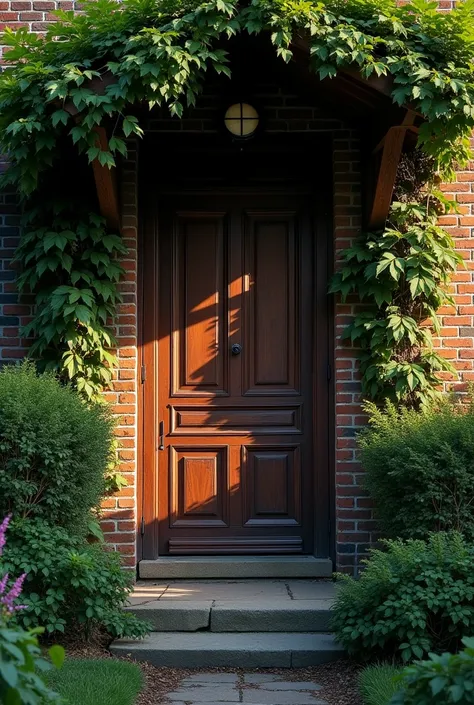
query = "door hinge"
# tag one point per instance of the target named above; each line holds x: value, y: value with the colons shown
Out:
x: 329, y: 372
x: 142, y: 526
x: 143, y: 374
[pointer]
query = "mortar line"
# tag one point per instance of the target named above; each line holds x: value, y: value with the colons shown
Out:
x: 240, y: 684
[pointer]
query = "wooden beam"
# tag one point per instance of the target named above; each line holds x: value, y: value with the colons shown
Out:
x: 106, y: 185
x: 407, y: 124
x: 392, y: 151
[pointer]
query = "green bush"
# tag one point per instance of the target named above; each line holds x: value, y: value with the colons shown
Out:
x: 440, y: 680
x: 22, y: 665
x: 70, y: 585
x: 420, y: 469
x: 414, y: 597
x: 377, y: 684
x: 54, y: 449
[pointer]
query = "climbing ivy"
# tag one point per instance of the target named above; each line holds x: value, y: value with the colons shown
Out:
x: 91, y: 69
x: 402, y: 274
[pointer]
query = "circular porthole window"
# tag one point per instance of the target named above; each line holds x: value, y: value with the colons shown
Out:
x: 241, y: 119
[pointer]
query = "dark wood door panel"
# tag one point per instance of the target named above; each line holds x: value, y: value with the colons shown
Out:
x: 271, y: 306
x: 199, y: 354
x: 235, y: 473
x: 272, y: 486
x: 255, y: 420
x: 198, y: 486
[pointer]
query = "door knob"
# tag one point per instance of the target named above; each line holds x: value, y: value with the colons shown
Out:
x: 236, y: 349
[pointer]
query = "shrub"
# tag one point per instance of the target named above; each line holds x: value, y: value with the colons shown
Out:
x: 440, y: 680
x: 70, y: 584
x: 420, y: 469
x: 378, y: 685
x: 412, y: 598
x: 54, y: 449
x: 21, y: 662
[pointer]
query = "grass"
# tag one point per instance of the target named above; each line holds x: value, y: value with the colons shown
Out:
x: 97, y: 682
x: 376, y: 684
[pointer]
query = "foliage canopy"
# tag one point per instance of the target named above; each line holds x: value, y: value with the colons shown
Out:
x: 91, y: 70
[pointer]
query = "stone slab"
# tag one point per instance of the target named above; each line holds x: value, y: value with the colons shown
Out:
x: 210, y: 678
x: 175, y: 616
x: 267, y: 697
x: 327, y: 650
x: 218, y: 692
x: 195, y: 567
x: 291, y: 685
x: 247, y: 650
x: 264, y: 615
x: 226, y: 590
x: 260, y: 678
x: 312, y: 589
x: 146, y: 592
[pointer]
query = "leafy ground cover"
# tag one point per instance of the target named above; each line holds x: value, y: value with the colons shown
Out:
x: 97, y: 682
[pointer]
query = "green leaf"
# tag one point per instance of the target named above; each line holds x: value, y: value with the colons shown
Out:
x: 60, y: 116
x: 57, y: 655
x: 9, y: 673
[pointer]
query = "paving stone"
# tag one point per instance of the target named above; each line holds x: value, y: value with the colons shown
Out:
x: 197, y: 702
x: 261, y: 678
x: 267, y: 697
x: 146, y: 593
x: 223, y: 567
x: 312, y: 589
x: 174, y: 616
x: 263, y: 615
x: 225, y: 590
x: 234, y: 650
x: 220, y: 692
x: 211, y: 678
x: 291, y: 685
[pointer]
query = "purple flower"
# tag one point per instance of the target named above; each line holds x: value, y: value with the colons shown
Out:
x: 3, y: 583
x: 3, y: 530
x: 8, y: 600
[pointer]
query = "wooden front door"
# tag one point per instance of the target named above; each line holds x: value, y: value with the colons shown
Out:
x: 237, y: 454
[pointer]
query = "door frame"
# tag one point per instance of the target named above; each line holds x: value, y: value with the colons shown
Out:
x: 324, y: 430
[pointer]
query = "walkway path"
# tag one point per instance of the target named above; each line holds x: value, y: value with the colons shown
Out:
x: 247, y: 688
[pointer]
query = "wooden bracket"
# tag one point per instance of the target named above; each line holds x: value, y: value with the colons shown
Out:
x: 106, y: 184
x: 105, y: 178
x: 392, y: 147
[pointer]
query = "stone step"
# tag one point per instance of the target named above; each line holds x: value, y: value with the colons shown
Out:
x: 224, y: 567
x: 224, y: 616
x: 249, y: 650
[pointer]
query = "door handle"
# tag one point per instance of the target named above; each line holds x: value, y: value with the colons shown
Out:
x: 236, y: 349
x: 161, y: 441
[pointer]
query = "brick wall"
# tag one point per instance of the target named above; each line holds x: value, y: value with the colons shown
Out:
x: 355, y: 526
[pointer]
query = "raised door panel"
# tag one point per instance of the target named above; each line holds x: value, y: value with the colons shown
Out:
x: 232, y: 420
x: 198, y: 487
x: 199, y: 351
x: 271, y: 306
x: 271, y: 480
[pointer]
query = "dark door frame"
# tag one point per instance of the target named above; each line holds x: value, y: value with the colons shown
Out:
x: 318, y: 157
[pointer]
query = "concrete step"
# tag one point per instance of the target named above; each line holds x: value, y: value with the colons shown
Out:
x: 249, y: 650
x: 225, y: 616
x: 225, y: 567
